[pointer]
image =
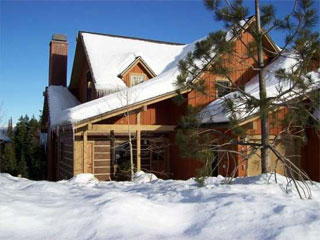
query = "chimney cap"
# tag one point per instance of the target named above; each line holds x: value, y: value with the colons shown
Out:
x: 59, y: 37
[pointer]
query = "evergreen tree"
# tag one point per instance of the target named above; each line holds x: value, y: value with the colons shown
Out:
x: 217, y: 54
x: 22, y: 166
x: 24, y: 155
x: 10, y: 132
x: 20, y: 136
x: 9, y: 162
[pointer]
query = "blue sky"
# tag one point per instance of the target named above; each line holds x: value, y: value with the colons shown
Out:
x: 26, y: 28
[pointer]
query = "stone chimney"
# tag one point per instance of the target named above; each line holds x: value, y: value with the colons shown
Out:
x: 58, y: 58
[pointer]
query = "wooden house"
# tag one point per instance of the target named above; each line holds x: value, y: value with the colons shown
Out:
x: 115, y: 79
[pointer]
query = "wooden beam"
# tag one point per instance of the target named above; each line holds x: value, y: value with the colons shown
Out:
x: 124, y: 109
x: 133, y: 128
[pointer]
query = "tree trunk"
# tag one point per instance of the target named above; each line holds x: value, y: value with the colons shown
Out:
x: 130, y: 147
x: 263, y: 95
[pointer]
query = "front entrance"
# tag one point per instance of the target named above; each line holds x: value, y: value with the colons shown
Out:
x: 154, y: 154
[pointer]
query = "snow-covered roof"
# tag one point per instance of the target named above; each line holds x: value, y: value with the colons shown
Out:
x: 216, y: 112
x: 110, y: 55
x: 162, y: 84
x: 59, y: 99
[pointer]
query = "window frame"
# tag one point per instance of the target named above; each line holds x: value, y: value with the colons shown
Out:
x: 136, y: 74
x: 226, y: 90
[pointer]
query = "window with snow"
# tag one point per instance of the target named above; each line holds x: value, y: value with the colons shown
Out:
x: 223, y: 87
x: 136, y: 79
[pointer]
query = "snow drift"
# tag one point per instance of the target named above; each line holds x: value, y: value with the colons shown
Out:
x: 83, y: 208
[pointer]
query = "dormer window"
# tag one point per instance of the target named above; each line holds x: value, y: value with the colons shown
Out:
x: 223, y: 87
x: 136, y: 79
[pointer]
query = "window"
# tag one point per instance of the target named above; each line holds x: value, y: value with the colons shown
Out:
x: 89, y: 87
x: 136, y: 79
x: 223, y: 87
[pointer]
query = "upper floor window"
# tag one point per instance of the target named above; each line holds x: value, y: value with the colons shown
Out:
x: 223, y: 87
x: 89, y: 86
x: 136, y: 79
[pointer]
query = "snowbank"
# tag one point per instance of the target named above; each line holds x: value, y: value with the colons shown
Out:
x: 84, y: 179
x: 248, y: 209
x: 142, y: 177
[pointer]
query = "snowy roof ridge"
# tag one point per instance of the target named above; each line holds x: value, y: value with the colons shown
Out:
x: 133, y: 38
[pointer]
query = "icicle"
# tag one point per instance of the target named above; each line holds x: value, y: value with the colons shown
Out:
x: 58, y: 129
x: 73, y: 135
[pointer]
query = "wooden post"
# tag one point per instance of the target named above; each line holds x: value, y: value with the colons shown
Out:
x: 85, y: 140
x: 138, y: 144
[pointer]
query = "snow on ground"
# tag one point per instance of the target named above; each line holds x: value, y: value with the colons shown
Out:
x: 84, y: 208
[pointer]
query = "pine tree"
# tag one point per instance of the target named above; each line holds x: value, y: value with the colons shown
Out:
x: 9, y: 162
x: 300, y: 43
x: 22, y: 166
x: 20, y: 136
x: 10, y: 132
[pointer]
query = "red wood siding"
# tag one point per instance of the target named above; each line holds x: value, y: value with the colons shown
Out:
x: 241, y: 73
x: 311, y: 155
x: 162, y: 113
x: 137, y: 68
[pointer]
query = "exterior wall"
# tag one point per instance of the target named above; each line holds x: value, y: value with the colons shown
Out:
x: 100, y: 150
x: 181, y: 168
x: 81, y: 92
x: 65, y: 155
x: 241, y: 73
x: 311, y: 155
x: 285, y: 145
x: 93, y: 156
x: 162, y: 113
x: 254, y: 162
